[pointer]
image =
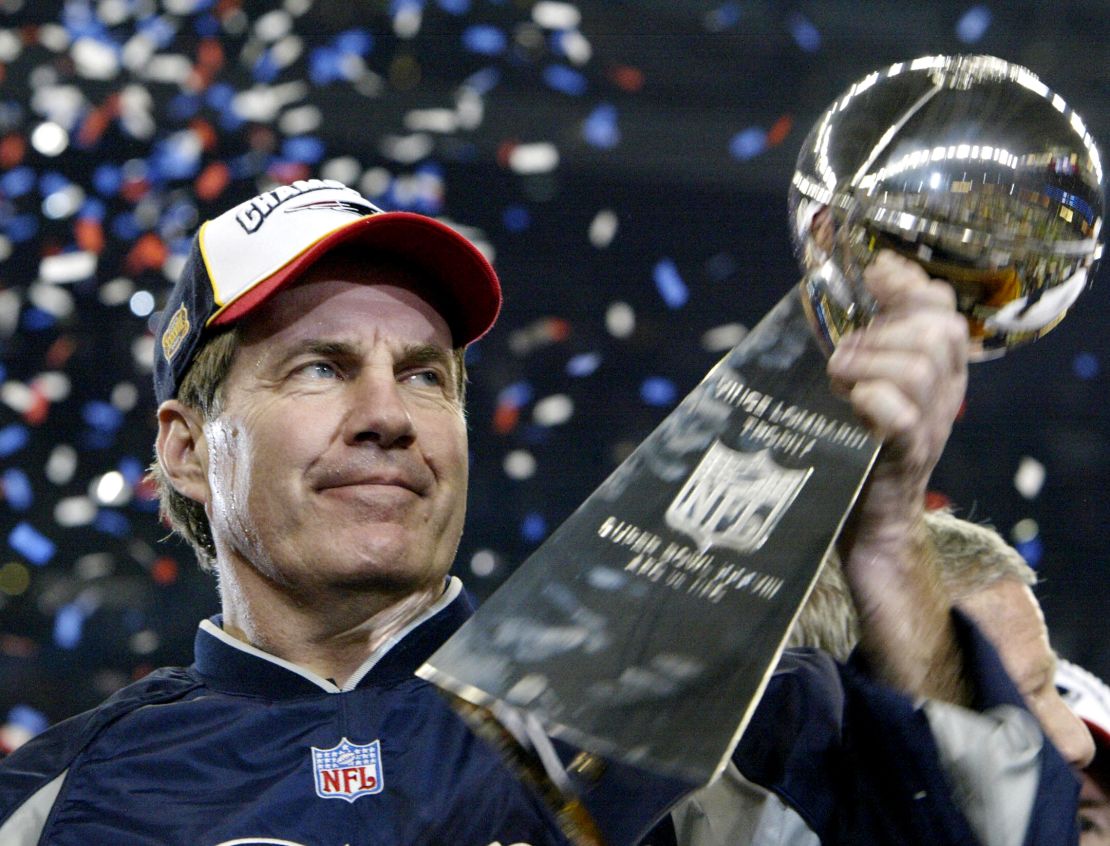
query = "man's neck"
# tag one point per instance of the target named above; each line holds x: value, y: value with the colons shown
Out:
x: 332, y: 639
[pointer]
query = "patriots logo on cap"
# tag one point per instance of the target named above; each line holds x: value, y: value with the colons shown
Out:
x: 348, y: 770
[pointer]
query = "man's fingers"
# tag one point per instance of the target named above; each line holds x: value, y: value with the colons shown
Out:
x: 899, y: 285
x: 885, y: 410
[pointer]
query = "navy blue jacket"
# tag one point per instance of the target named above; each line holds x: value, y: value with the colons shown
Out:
x: 242, y: 748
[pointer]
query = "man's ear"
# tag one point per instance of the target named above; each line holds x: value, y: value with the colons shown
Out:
x: 182, y: 449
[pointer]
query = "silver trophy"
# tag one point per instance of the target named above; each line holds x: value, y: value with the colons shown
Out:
x: 969, y: 165
x: 643, y: 631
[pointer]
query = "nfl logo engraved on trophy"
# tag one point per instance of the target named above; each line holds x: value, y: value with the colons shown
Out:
x: 347, y: 770
x: 735, y: 499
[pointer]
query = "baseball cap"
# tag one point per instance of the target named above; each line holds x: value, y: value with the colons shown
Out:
x: 242, y: 257
x: 1089, y: 697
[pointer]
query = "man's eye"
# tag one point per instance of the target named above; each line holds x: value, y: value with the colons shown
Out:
x: 320, y: 370
x: 426, y: 378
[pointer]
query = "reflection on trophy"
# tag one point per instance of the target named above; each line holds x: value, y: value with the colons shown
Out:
x: 969, y: 165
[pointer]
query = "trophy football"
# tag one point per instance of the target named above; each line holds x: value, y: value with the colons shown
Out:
x: 643, y: 632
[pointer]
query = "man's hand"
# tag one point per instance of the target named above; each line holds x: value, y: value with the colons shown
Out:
x: 905, y: 375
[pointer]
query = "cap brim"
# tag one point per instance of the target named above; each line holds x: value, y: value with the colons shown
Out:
x: 466, y: 288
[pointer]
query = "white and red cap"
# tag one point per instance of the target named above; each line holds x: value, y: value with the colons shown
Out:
x: 239, y: 259
x: 1089, y: 697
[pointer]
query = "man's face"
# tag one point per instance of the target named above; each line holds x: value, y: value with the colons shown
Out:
x: 1008, y: 614
x: 1094, y: 814
x: 339, y: 458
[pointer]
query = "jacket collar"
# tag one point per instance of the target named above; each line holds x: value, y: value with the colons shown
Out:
x: 232, y: 666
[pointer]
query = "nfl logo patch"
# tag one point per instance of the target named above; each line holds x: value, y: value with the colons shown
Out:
x: 347, y: 770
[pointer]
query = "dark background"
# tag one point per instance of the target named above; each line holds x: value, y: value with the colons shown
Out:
x: 678, y: 119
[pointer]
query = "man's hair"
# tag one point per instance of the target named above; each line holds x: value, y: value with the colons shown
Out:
x: 970, y: 557
x: 202, y: 389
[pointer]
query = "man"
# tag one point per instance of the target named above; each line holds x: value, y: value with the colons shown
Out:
x: 1089, y: 697
x: 312, y: 447
x: 991, y: 583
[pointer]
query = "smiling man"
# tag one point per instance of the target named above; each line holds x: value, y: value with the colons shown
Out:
x: 312, y: 448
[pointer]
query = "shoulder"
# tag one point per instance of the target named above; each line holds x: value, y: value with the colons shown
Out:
x: 50, y: 754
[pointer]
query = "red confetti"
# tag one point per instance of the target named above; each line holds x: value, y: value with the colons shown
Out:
x: 779, y: 130
x: 59, y: 352
x: 935, y: 500
x: 148, y: 253
x: 627, y: 78
x: 89, y: 234
x: 505, y: 150
x: 205, y: 132
x: 286, y: 172
x: 164, y: 571
x: 13, y: 148
x: 134, y: 190
x: 35, y: 413
x: 505, y: 419
x: 97, y: 121
x: 212, y: 181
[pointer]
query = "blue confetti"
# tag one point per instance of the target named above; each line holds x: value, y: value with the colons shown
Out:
x: 516, y: 218
x: 112, y: 522
x: 1085, y: 365
x: 107, y: 179
x: 183, y: 107
x: 17, y: 489
x: 131, y: 469
x: 266, y: 67
x: 102, y: 415
x: 724, y: 16
x: 23, y: 227
x: 96, y: 439
x: 36, y: 320
x: 748, y: 143
x: 17, y: 181
x: 483, y: 81
x: 517, y: 395
x: 31, y: 544
x: 454, y: 7
x: 69, y: 625
x: 125, y: 226
x: 325, y: 65
x: 1031, y: 550
x: 600, y: 128
x: 805, y: 33
x: 973, y: 25
x: 534, y: 527
x: 484, y: 39
x: 29, y: 719
x: 565, y: 79
x: 583, y: 364
x: 13, y: 438
x: 92, y: 209
x: 358, y: 42
x: 669, y: 284
x: 52, y: 181
x: 658, y: 391
x: 175, y: 157
x: 207, y: 26
x: 303, y: 148
x: 220, y: 95
x: 159, y: 29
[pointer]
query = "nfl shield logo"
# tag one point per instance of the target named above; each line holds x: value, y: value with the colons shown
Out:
x: 735, y: 499
x: 347, y: 770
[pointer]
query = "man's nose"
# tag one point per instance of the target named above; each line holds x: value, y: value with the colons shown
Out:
x: 378, y: 412
x: 1070, y: 735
